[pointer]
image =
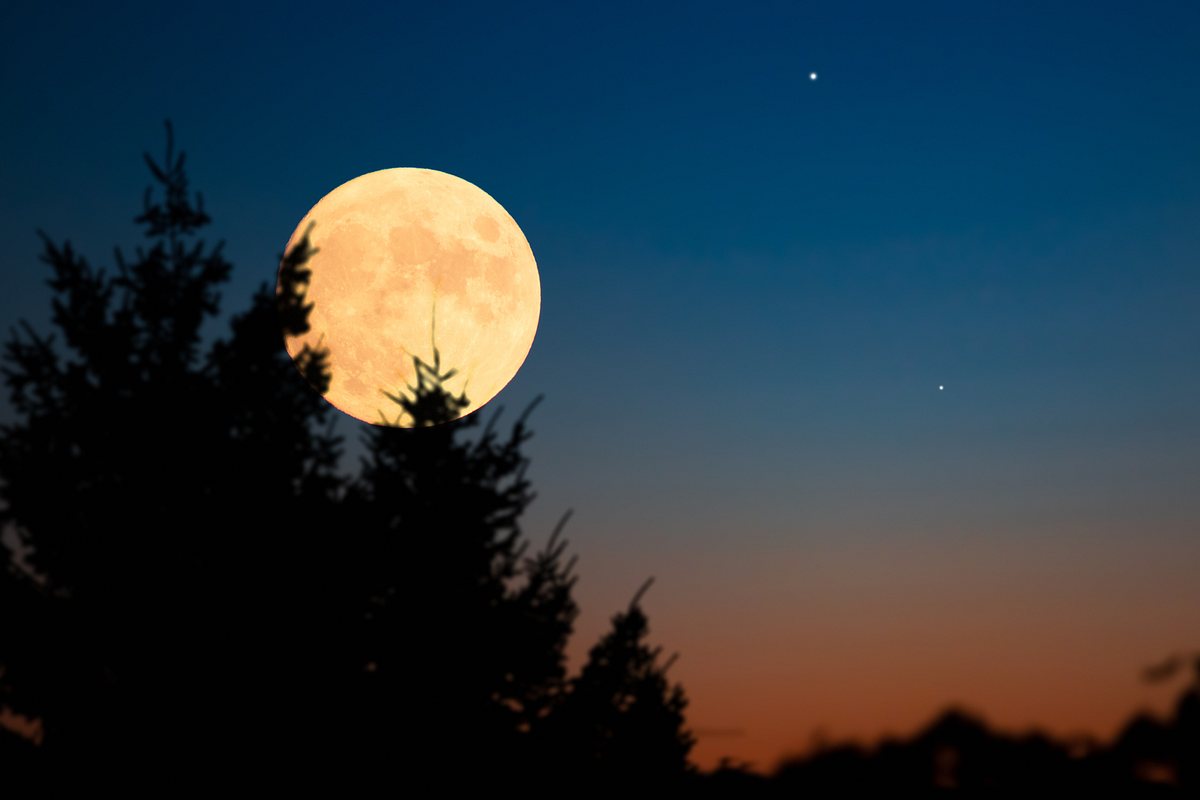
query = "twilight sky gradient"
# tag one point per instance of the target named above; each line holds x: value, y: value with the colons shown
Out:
x: 753, y: 284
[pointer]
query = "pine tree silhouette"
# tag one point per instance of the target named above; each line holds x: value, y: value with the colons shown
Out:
x: 92, y: 476
x: 466, y: 635
x: 623, y: 721
x: 148, y: 486
x: 192, y: 587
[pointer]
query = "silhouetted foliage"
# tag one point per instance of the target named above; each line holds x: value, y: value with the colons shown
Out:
x: 428, y: 403
x: 622, y: 724
x: 1186, y: 723
x: 292, y: 309
x: 958, y: 751
x: 193, y: 586
x: 154, y: 493
x: 462, y: 625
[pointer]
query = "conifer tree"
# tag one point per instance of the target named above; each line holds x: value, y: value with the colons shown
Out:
x: 146, y: 483
x: 466, y: 634
x: 622, y: 725
x: 190, y: 583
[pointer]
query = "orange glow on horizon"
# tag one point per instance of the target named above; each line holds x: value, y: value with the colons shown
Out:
x: 782, y: 649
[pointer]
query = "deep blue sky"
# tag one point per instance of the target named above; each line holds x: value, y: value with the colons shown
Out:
x: 753, y: 283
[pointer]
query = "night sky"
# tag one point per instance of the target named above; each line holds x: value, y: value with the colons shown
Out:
x: 753, y: 286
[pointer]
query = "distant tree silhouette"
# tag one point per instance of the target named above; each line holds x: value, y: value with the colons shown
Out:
x: 1187, y: 730
x: 958, y: 750
x: 1170, y: 746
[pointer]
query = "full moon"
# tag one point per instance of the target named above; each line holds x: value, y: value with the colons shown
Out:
x: 408, y: 260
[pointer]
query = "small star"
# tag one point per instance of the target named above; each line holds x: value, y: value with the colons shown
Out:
x: 941, y: 388
x: 812, y: 76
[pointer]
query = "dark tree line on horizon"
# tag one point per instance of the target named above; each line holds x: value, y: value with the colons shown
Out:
x: 192, y: 588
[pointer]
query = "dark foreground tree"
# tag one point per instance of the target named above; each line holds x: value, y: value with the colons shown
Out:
x: 464, y: 642
x: 622, y: 723
x: 192, y: 588
x: 153, y: 491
